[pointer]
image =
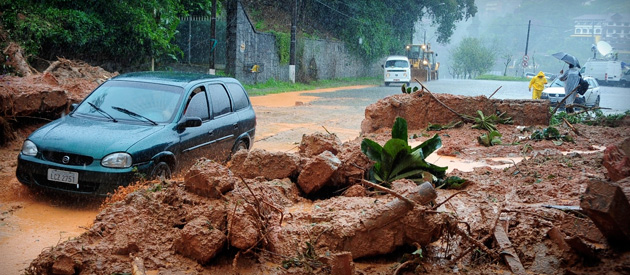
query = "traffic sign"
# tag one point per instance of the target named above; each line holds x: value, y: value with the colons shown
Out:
x: 524, y: 63
x: 525, y: 58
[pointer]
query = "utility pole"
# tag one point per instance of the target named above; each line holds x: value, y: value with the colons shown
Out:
x: 213, y: 36
x: 293, y: 44
x: 525, y: 57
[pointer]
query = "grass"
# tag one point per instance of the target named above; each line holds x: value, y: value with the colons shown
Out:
x: 272, y: 86
x: 500, y: 77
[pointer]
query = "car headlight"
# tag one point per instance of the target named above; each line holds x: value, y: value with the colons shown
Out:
x: 117, y: 160
x: 29, y: 148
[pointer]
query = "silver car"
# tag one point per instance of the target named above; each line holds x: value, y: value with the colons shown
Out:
x: 555, y: 93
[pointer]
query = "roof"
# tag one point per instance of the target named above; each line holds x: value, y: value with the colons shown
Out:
x: 397, y: 57
x: 172, y: 78
x: 605, y: 17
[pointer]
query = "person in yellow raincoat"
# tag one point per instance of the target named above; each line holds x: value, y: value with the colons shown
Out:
x: 538, y: 82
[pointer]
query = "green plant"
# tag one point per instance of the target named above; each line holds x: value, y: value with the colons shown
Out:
x: 439, y: 127
x: 551, y: 133
x: 408, y: 90
x: 397, y: 160
x: 484, y: 122
x: 283, y: 45
x: 490, y: 139
x: 453, y: 182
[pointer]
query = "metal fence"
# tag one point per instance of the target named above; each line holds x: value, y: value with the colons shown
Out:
x: 193, y: 38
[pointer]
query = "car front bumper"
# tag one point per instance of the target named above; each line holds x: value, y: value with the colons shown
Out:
x: 93, y: 179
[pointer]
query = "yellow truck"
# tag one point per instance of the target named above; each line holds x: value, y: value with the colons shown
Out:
x: 422, y: 59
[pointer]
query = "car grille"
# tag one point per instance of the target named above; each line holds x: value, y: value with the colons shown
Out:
x: 70, y: 159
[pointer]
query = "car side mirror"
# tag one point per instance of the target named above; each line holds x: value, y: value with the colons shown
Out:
x: 382, y: 66
x: 189, y: 122
x: 73, y: 106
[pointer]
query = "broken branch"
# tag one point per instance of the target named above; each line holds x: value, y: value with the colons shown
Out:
x: 389, y: 191
x: 449, y: 108
x: 571, y: 126
x: 495, y: 92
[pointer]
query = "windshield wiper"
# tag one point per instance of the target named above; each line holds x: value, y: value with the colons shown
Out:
x: 133, y: 114
x: 102, y: 112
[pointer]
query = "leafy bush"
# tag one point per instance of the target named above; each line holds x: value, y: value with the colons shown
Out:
x: 490, y: 139
x: 397, y: 160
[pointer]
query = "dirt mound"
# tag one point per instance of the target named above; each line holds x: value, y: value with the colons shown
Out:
x: 45, y: 95
x: 266, y: 224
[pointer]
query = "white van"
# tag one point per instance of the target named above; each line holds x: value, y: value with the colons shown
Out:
x: 397, y: 69
x: 607, y: 72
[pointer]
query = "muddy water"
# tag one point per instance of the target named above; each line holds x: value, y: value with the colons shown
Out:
x: 36, y: 224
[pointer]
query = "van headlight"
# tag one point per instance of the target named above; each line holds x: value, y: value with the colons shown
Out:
x: 405, y: 74
x: 117, y: 160
x: 29, y: 148
x: 387, y: 74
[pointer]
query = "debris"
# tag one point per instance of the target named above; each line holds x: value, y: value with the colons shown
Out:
x: 137, y: 266
x: 617, y: 160
x: 507, y: 251
x: 397, y: 208
x: 607, y: 205
x: 340, y: 263
x: 200, y: 240
x: 318, y: 172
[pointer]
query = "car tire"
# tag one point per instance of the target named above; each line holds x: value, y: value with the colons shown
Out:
x: 161, y: 171
x: 596, y: 102
x: 240, y: 145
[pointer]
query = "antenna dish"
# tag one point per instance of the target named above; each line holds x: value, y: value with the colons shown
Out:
x: 603, y: 48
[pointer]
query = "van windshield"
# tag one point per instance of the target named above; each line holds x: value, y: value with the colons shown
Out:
x: 396, y: 64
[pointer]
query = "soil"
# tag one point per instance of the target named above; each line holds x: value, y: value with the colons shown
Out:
x: 234, y: 223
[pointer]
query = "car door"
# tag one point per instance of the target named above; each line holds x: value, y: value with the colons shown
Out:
x: 197, y: 142
x: 224, y: 122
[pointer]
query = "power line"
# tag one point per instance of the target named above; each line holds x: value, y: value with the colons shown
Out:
x: 337, y: 11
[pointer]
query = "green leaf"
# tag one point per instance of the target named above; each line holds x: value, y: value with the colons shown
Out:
x: 430, y: 145
x: 371, y: 149
x: 399, y: 130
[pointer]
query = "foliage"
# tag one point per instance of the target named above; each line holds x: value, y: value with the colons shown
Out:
x: 307, y: 258
x: 408, y: 90
x: 397, y: 160
x: 439, y: 127
x: 273, y: 86
x: 550, y: 133
x: 489, y: 139
x: 283, y: 45
x: 384, y: 27
x: 489, y: 122
x: 453, y: 182
x: 470, y: 58
x: 127, y: 32
x: 599, y: 119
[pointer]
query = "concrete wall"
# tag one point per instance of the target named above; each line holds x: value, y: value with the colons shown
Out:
x: 316, y: 59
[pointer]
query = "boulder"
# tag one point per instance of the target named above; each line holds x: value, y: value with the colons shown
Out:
x: 243, y: 227
x: 210, y: 179
x: 317, y: 143
x: 318, y: 172
x: 200, y: 241
x: 617, y: 160
x: 270, y: 165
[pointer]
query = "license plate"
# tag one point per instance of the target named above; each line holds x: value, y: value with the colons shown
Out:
x: 396, y: 79
x: 63, y: 176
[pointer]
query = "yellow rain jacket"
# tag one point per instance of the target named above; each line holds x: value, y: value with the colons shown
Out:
x: 538, y: 82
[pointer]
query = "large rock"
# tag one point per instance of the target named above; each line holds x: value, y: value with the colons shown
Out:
x: 354, y: 165
x: 270, y: 165
x: 208, y: 178
x: 617, y: 160
x: 420, y: 109
x: 317, y: 143
x: 318, y: 171
x: 606, y: 204
x: 200, y: 241
x: 244, y: 232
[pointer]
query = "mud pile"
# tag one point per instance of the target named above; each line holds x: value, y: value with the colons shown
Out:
x: 293, y: 213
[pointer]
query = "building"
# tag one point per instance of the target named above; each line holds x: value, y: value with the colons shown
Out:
x: 613, y: 28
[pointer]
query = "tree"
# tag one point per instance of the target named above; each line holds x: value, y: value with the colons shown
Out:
x: 508, y: 60
x: 471, y: 58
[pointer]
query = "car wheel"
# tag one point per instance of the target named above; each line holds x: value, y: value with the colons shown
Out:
x: 240, y: 145
x: 386, y: 83
x: 161, y: 171
x: 596, y: 102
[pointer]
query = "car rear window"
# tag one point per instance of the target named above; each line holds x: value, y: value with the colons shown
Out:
x: 239, y: 96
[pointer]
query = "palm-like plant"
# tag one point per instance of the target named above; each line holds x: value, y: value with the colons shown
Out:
x: 397, y: 160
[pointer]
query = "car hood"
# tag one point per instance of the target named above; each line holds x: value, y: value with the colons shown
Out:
x: 554, y: 90
x: 91, y: 137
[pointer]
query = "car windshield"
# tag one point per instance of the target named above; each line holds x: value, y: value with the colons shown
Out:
x: 154, y: 101
x: 396, y: 64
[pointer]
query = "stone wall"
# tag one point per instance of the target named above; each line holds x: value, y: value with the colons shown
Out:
x: 316, y: 59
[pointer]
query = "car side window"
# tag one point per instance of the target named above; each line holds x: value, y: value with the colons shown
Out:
x: 198, y: 106
x: 239, y: 96
x: 219, y: 100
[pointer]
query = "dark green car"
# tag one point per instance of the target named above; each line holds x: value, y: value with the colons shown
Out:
x: 146, y: 124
